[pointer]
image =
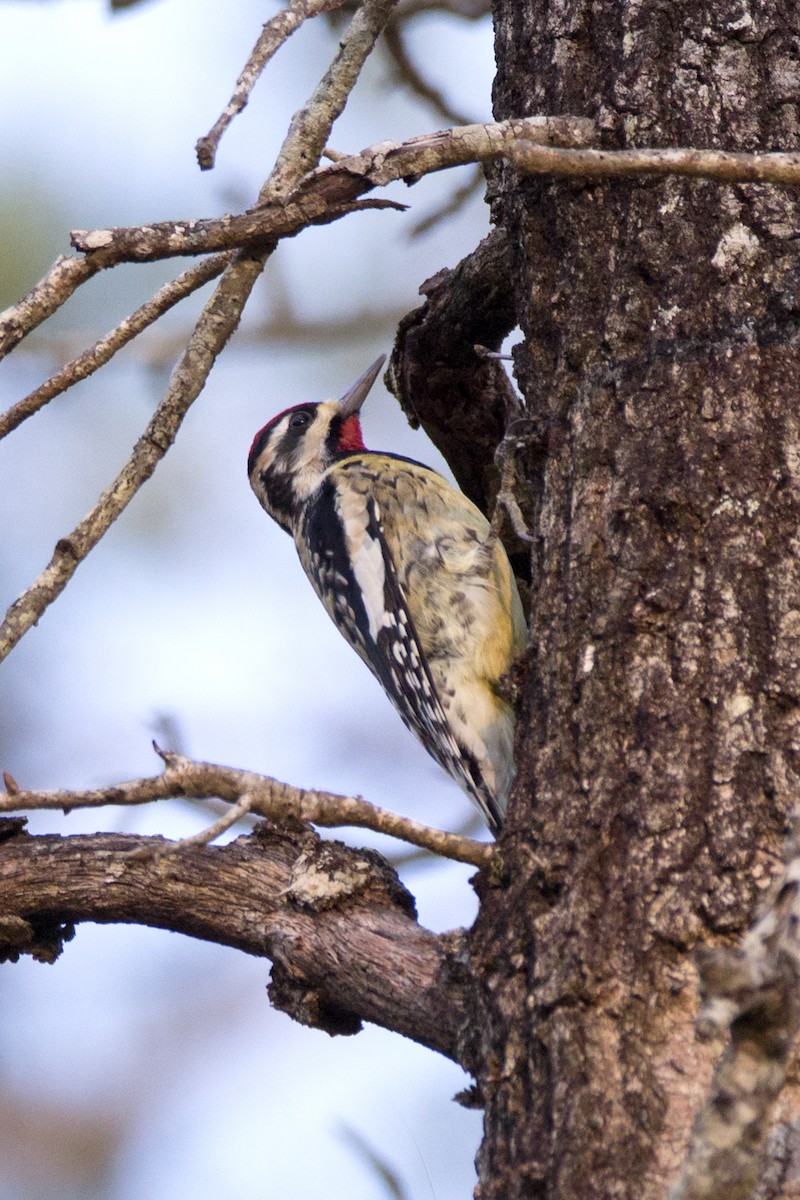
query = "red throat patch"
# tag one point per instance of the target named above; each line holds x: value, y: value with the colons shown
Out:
x: 350, y: 437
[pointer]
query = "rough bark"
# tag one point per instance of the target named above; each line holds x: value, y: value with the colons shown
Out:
x: 337, y: 924
x: 660, y: 725
x: 463, y: 401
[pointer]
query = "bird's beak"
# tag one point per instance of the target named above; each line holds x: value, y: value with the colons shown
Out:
x: 352, y: 400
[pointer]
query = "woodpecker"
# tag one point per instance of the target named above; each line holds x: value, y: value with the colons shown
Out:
x: 410, y: 574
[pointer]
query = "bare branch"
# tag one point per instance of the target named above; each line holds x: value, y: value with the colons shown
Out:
x: 311, y: 125
x: 754, y: 991
x: 105, y: 349
x: 317, y: 201
x: 524, y: 142
x: 52, y: 290
x: 339, y: 927
x: 320, y: 196
x: 265, y: 796
x: 275, y: 32
x: 301, y: 148
x: 699, y: 164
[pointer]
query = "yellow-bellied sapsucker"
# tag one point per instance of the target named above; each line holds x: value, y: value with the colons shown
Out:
x: 406, y: 567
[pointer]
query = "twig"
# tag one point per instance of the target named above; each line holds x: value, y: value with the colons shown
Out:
x: 275, y: 32
x: 754, y: 992
x: 302, y: 147
x: 311, y: 125
x: 52, y: 290
x: 265, y: 796
x: 105, y: 349
x: 773, y: 167
x: 323, y: 192
x: 515, y: 440
x: 204, y: 838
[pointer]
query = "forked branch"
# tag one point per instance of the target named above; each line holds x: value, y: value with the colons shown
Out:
x: 301, y: 149
x: 104, y: 350
x: 324, y: 194
x: 274, y: 33
x: 266, y: 797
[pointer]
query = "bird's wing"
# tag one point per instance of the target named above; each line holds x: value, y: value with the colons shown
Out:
x: 344, y: 551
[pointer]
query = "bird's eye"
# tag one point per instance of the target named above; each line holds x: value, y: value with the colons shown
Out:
x: 297, y: 420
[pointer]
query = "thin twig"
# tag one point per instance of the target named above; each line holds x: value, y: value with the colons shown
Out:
x: 275, y: 32
x: 311, y: 125
x: 183, y: 777
x: 205, y: 837
x: 52, y: 290
x: 753, y: 991
x: 106, y: 347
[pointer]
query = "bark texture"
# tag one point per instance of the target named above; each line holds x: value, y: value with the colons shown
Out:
x: 660, y: 724
x: 462, y: 401
x: 339, y: 927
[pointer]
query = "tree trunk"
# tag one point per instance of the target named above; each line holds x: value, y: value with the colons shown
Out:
x: 660, y: 711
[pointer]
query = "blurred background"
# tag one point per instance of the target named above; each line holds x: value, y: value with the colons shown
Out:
x: 143, y: 1063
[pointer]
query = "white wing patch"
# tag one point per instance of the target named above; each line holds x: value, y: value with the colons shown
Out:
x: 366, y: 555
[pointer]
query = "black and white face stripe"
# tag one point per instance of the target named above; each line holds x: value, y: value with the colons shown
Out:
x: 290, y: 425
x: 290, y: 455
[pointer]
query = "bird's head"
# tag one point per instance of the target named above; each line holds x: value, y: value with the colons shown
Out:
x: 291, y: 453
